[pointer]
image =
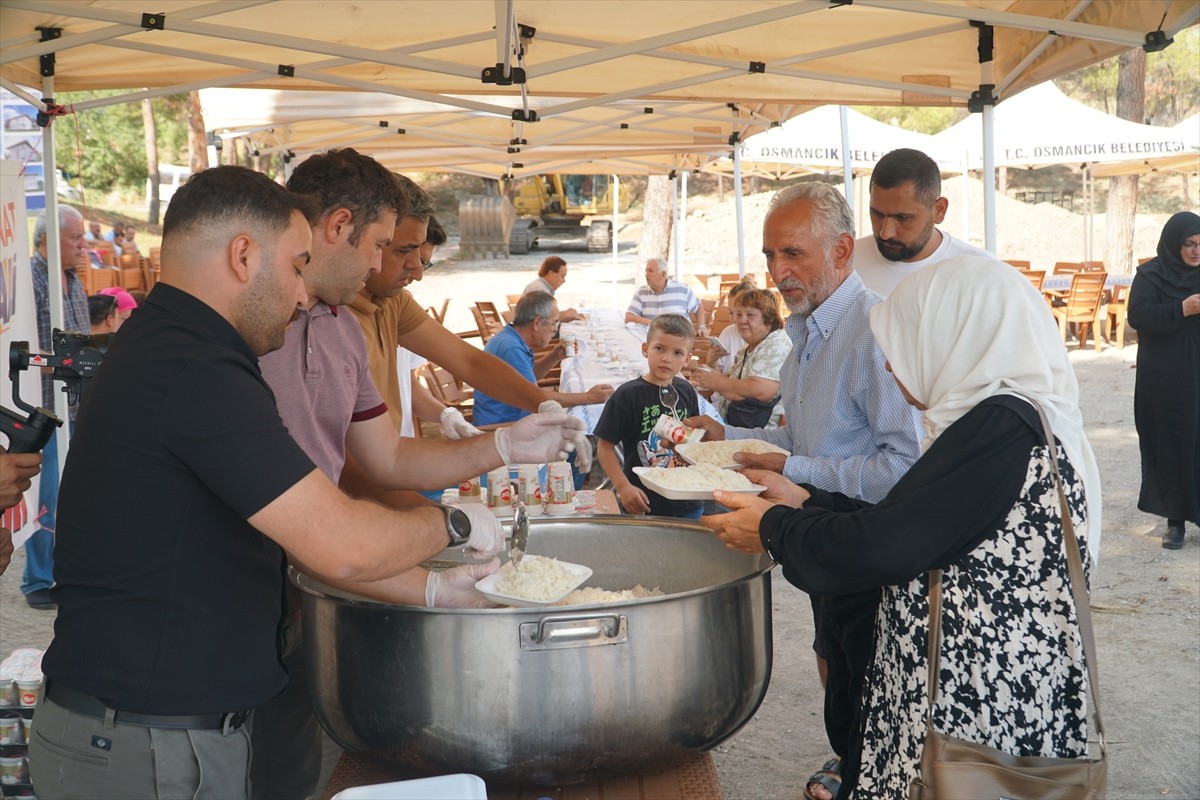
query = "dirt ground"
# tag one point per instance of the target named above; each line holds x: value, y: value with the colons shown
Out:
x: 1146, y: 599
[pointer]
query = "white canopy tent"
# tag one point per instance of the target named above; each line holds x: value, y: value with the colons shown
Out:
x: 1043, y: 127
x: 1185, y: 163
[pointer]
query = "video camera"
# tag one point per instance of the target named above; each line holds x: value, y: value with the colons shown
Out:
x: 75, y: 361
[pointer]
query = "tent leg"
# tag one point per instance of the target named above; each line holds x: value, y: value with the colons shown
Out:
x: 737, y: 196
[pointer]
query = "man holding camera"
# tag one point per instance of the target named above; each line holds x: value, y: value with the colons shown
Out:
x: 39, y: 548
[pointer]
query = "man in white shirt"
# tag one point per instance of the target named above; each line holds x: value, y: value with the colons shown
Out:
x: 906, y: 205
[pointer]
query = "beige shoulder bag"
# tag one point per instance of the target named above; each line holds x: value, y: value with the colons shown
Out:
x: 954, y: 769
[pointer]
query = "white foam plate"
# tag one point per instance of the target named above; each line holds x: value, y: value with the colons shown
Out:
x: 487, y: 587
x: 687, y: 451
x: 446, y: 787
x: 647, y: 474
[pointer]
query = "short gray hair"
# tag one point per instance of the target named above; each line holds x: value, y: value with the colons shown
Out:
x: 831, y: 215
x: 531, y: 307
x: 661, y: 263
x: 65, y: 212
x: 417, y: 200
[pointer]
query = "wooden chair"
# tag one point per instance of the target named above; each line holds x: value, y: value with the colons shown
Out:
x: 448, y: 390
x: 131, y: 273
x: 1035, y: 276
x: 1144, y: 260
x: 1022, y: 265
x: 721, y: 319
x: 1093, y: 266
x: 1116, y: 315
x: 490, y: 313
x: 1082, y: 307
x: 512, y: 300
x: 438, y: 316
x: 1067, y: 267
x: 723, y: 295
x: 487, y: 328
x: 770, y: 280
x: 95, y: 280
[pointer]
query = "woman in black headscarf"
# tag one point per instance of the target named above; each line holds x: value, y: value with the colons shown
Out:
x: 1164, y: 307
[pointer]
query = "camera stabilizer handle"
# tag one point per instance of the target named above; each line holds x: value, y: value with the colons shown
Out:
x: 75, y: 361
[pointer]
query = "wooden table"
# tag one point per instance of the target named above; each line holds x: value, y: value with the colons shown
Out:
x: 692, y: 780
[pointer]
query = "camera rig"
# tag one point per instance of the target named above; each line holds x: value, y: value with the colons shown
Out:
x: 75, y: 360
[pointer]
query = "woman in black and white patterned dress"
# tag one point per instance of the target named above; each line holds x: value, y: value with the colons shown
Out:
x: 964, y: 339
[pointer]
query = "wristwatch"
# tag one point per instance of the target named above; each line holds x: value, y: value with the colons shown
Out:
x: 458, y: 525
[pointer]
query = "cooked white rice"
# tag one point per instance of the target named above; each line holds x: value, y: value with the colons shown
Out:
x: 590, y: 595
x: 701, y: 478
x: 538, y: 578
x: 721, y: 453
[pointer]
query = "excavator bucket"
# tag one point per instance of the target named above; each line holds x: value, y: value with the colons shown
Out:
x: 485, y: 223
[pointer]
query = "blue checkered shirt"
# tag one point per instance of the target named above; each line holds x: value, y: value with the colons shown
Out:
x: 75, y: 318
x: 848, y: 427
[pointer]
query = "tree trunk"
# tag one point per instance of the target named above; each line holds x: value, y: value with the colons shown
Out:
x: 151, y: 160
x: 197, y: 142
x: 1123, y: 189
x: 656, y: 218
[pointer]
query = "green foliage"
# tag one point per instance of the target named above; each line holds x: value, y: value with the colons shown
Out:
x: 922, y: 119
x: 106, y: 146
x: 1172, y: 82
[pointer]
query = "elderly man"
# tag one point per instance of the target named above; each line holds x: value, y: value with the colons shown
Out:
x: 551, y: 275
x: 906, y: 205
x: 327, y: 398
x: 848, y: 428
x: 661, y: 295
x: 171, y: 601
x: 535, y: 320
x: 39, y: 548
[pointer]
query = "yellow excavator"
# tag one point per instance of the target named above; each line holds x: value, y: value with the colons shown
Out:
x: 542, y: 206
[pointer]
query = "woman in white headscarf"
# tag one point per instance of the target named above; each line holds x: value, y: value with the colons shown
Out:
x: 965, y: 339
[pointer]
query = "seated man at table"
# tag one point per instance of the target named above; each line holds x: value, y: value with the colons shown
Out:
x: 661, y: 295
x: 535, y: 320
x: 551, y: 275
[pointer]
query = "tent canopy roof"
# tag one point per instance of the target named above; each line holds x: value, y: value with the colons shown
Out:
x: 1043, y: 126
x: 770, y: 59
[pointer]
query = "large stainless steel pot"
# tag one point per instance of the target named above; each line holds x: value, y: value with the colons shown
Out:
x: 555, y: 695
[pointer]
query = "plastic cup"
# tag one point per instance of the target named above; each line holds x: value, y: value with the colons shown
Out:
x: 560, y: 489
x: 499, y: 492
x: 29, y: 691
x: 11, y: 731
x: 8, y: 692
x: 529, y: 484
x: 470, y: 492
x: 14, y: 769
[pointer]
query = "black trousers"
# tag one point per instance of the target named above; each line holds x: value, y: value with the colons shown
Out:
x: 847, y: 637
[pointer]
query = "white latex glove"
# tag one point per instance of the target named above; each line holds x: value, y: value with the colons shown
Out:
x: 455, y: 588
x: 583, y: 445
x: 551, y: 407
x: 539, y: 438
x: 487, y: 537
x: 455, y: 425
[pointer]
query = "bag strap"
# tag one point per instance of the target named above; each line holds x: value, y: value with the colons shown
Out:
x: 1083, y: 611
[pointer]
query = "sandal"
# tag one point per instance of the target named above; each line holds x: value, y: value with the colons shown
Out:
x: 828, y: 777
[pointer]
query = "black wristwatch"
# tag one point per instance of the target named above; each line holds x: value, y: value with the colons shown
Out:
x: 458, y: 525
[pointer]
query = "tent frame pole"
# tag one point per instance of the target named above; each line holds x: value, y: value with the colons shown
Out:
x: 737, y: 195
x: 847, y: 170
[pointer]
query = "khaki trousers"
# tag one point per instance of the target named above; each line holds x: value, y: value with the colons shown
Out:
x: 73, y: 755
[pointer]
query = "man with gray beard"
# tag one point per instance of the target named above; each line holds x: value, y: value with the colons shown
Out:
x: 848, y: 428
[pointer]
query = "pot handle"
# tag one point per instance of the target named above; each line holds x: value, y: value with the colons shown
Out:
x: 574, y: 630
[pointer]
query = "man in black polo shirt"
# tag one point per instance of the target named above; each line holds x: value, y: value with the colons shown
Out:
x: 181, y: 493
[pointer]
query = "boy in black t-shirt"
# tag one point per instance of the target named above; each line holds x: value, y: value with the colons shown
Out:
x: 633, y: 410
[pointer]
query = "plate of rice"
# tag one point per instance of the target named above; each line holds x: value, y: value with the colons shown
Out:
x: 696, y: 482
x: 539, y: 581
x: 720, y: 454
